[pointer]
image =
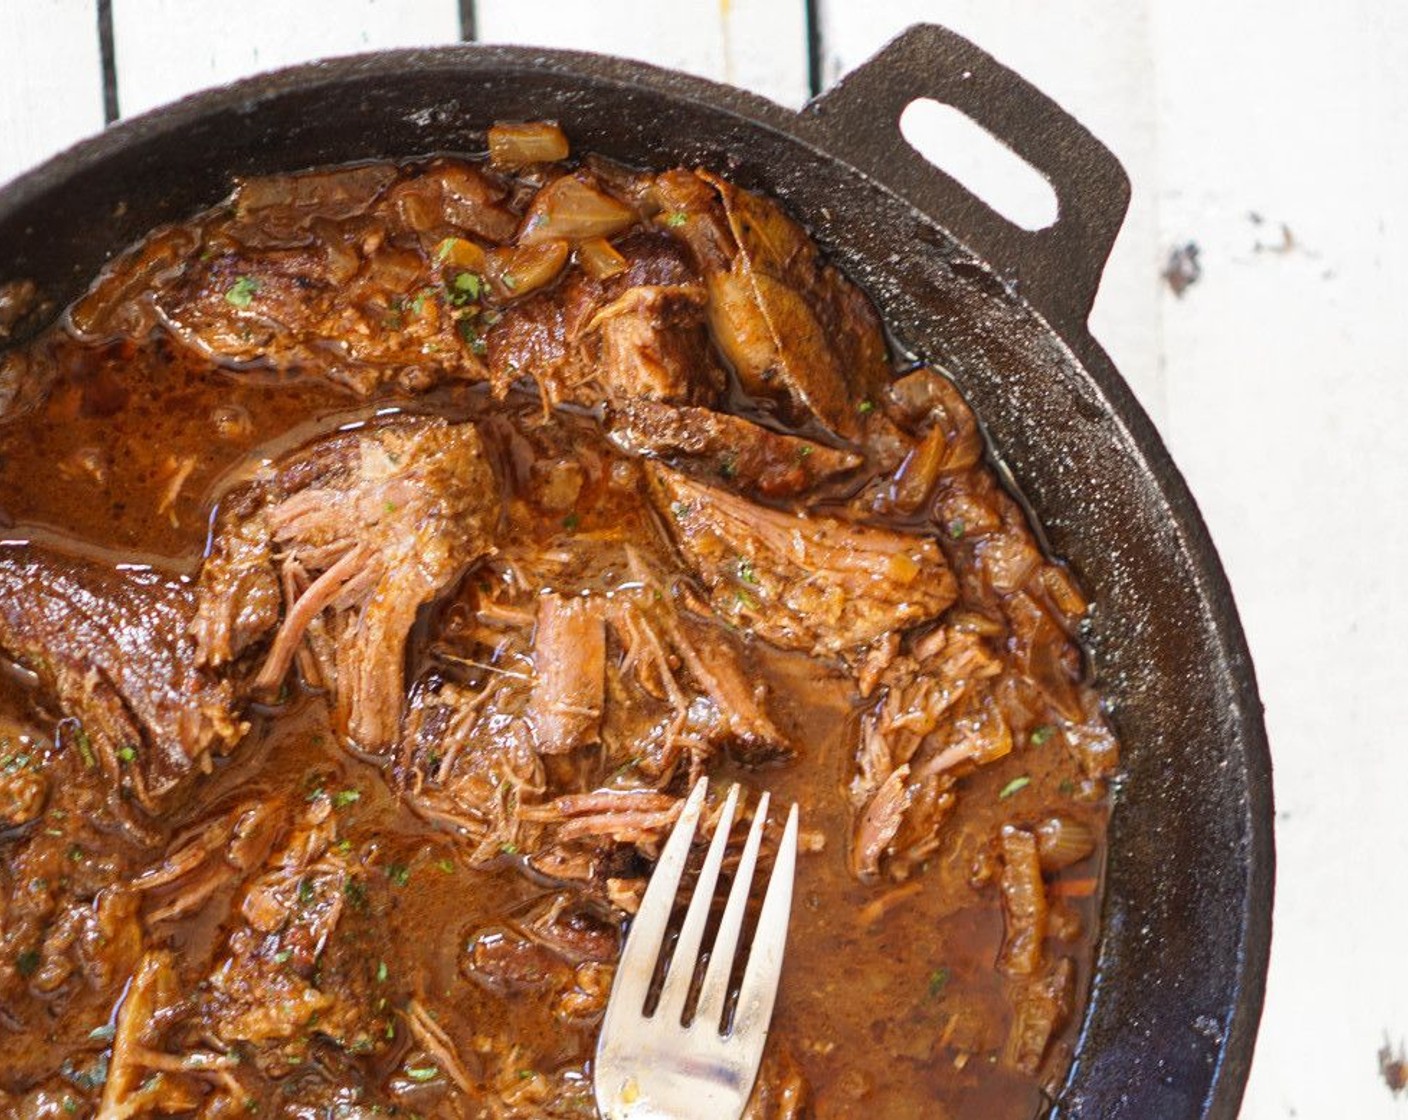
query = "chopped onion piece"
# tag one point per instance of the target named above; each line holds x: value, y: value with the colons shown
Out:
x: 512, y: 146
x: 599, y: 258
x: 460, y: 253
x: 517, y: 272
x: 569, y: 208
x: 1061, y: 842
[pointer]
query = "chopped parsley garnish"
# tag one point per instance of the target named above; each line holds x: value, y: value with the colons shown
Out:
x: 422, y: 1073
x: 938, y: 981
x: 305, y: 891
x: 805, y: 450
x: 389, y: 506
x: 85, y: 747
x: 381, y: 972
x: 1016, y: 785
x: 75, y: 853
x: 445, y: 865
x: 956, y: 528
x: 745, y: 599
x: 128, y: 753
x: 865, y: 407
x: 508, y: 848
x: 570, y: 522
x: 398, y: 873
x: 676, y: 218
x: 417, y: 303
x: 1040, y: 734
x: 345, y: 797
x: 242, y: 291
x: 467, y: 285
x: 356, y: 893
x: 282, y: 956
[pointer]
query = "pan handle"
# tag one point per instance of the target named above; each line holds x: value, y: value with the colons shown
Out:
x: 1058, y: 268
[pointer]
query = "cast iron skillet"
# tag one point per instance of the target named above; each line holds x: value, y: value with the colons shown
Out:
x: 1177, y: 993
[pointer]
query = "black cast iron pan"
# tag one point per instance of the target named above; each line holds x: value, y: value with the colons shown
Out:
x: 1172, y: 1016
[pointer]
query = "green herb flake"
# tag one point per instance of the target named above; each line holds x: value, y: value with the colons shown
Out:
x: 422, y: 1073
x: 417, y: 304
x: 345, y: 797
x: 242, y: 291
x: 343, y: 846
x: 381, y: 972
x: 805, y: 450
x: 527, y: 1074
x: 85, y: 747
x: 75, y: 853
x: 865, y: 407
x: 745, y: 599
x: 398, y: 873
x: 676, y: 218
x: 1016, y: 785
x: 469, y: 284
x: 282, y: 956
x: 356, y: 893
x: 305, y: 891
x: 746, y: 572
x: 938, y: 981
x: 1067, y: 787
x: 956, y: 528
x: 1040, y: 734
x: 570, y: 522
x: 27, y: 963
x: 445, y: 865
x: 70, y: 1105
x: 127, y: 753
x: 508, y: 848
x: 728, y: 468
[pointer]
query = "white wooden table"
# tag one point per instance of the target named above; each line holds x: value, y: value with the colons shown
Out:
x: 1274, y: 134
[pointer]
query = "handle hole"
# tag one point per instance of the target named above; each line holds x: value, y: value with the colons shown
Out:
x: 987, y: 167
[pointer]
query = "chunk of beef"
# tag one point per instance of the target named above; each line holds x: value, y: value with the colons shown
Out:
x: 569, y: 657
x: 1023, y: 904
x: 239, y: 596
x: 111, y: 647
x: 811, y: 583
x: 638, y: 334
x: 290, y: 968
x: 333, y: 272
x: 366, y: 527
x: 937, y: 717
x: 1041, y: 1006
x: 793, y: 327
x: 143, y: 1078
x: 719, y: 445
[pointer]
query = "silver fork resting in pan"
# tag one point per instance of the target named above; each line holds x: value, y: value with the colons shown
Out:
x: 656, y: 1067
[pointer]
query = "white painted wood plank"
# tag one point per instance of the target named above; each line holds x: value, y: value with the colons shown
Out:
x: 168, y: 48
x: 1288, y: 392
x: 51, y: 81
x: 1092, y: 57
x: 758, y: 44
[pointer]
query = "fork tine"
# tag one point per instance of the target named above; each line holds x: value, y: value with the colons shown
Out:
x: 759, y: 987
x: 714, y: 991
x: 686, y: 956
x: 647, y: 935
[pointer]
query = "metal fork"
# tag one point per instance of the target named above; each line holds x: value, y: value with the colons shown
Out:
x: 656, y: 1067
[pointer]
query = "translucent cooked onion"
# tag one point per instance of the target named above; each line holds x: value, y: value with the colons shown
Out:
x: 461, y: 253
x: 599, y: 258
x: 569, y: 208
x: 915, y: 478
x: 1061, y: 842
x: 528, y: 267
x: 512, y: 146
